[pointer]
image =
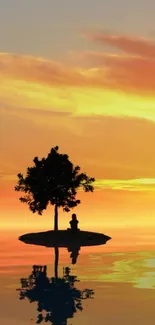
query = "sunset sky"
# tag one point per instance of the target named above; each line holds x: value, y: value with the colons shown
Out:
x: 80, y: 75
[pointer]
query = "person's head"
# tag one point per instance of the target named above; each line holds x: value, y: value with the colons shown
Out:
x: 74, y: 216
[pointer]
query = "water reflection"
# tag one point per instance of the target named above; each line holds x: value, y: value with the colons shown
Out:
x: 57, y: 298
x: 138, y: 269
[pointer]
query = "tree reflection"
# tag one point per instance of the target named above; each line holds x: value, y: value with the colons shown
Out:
x: 57, y: 298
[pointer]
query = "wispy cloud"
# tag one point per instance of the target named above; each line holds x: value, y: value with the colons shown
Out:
x: 129, y: 44
x: 41, y: 71
x: 129, y: 67
x: 112, y: 84
x: 131, y: 74
x: 141, y: 184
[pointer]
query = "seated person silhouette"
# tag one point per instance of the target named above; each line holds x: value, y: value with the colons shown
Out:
x: 74, y: 223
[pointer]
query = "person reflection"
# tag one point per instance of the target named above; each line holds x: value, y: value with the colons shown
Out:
x: 57, y: 298
x: 74, y: 250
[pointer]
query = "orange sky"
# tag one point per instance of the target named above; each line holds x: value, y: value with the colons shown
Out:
x: 100, y: 109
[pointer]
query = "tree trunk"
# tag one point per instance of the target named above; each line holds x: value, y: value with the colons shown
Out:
x: 56, y: 217
x: 56, y: 261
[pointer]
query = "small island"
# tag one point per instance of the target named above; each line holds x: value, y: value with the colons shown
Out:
x: 55, y: 180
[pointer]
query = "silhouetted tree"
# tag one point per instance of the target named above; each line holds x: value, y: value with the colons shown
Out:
x: 53, y: 180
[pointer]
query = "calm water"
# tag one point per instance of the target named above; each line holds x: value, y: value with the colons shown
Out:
x: 105, y: 286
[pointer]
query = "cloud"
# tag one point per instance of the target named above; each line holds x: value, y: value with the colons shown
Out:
x: 130, y: 74
x: 129, y: 67
x: 31, y: 68
x: 120, y: 85
x: 141, y: 184
x: 129, y: 44
x: 39, y: 70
